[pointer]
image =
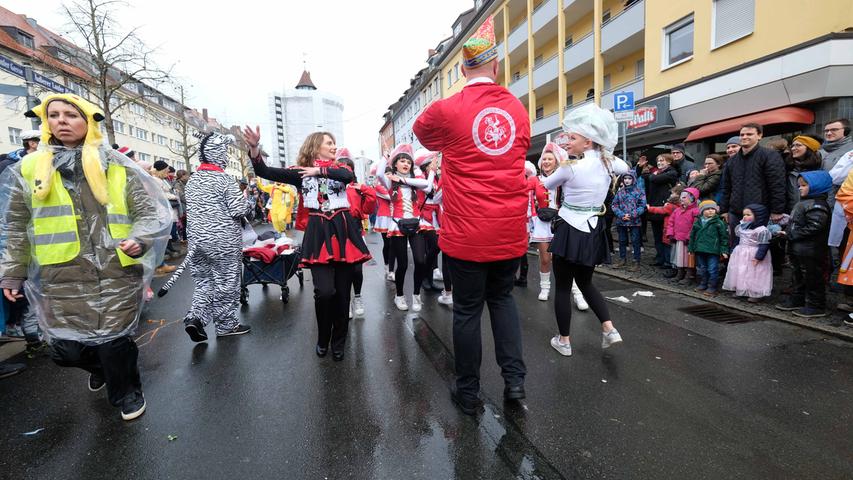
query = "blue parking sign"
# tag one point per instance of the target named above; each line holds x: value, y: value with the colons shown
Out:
x: 623, y: 102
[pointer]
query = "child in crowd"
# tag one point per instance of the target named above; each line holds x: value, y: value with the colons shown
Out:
x: 666, y: 210
x: 709, y: 239
x: 807, y: 234
x: 628, y: 206
x: 750, y: 271
x: 678, y: 231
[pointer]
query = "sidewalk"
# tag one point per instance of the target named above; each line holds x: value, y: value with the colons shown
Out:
x: 653, y: 277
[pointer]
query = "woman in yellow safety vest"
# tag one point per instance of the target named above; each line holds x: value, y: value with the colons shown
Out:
x: 85, y: 228
x: 282, y: 197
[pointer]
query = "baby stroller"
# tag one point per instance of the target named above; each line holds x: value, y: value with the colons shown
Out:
x: 270, y: 261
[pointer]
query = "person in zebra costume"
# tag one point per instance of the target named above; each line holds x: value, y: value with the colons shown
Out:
x: 164, y: 289
x: 215, y: 206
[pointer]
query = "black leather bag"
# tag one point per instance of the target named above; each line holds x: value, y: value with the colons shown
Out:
x: 409, y: 226
x: 547, y: 214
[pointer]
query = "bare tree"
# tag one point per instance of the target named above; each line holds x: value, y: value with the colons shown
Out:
x: 184, y: 126
x: 121, y: 64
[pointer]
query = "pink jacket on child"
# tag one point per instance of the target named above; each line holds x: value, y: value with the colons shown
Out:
x: 681, y: 221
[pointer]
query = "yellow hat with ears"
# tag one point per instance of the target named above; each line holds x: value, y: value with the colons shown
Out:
x: 91, y: 156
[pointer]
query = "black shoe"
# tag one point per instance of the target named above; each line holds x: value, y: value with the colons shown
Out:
x: 321, y: 351
x: 789, y: 305
x: 96, y: 382
x: 514, y: 393
x: 468, y: 407
x: 337, y: 356
x: 9, y: 369
x: 195, y: 330
x: 133, y: 406
x: 238, y: 330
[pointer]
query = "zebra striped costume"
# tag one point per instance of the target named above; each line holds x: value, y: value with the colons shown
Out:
x: 215, y: 206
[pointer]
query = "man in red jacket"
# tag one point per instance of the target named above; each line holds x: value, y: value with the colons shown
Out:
x: 483, y: 133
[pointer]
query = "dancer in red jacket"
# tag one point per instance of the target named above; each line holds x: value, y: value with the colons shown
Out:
x: 362, y: 201
x: 383, y: 220
x: 483, y: 133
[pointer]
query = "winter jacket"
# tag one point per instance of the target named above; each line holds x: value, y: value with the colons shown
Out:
x: 665, y: 212
x: 808, y: 229
x: 484, y: 190
x: 684, y: 167
x: 362, y: 201
x: 831, y: 152
x: 712, y: 236
x: 681, y: 222
x: 660, y: 184
x: 792, y: 190
x: 707, y: 185
x: 755, y: 177
x: 629, y: 201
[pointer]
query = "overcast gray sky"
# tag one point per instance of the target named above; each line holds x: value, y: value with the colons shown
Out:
x: 231, y: 58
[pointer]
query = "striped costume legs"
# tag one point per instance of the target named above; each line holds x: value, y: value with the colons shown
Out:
x: 226, y: 274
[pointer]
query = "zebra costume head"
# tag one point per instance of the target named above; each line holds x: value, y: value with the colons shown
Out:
x: 213, y: 147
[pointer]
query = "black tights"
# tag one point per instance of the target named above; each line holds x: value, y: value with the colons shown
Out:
x: 332, y: 283
x: 357, y: 278
x: 398, y: 249
x: 432, y: 251
x: 445, y: 272
x: 387, y: 256
x: 564, y: 273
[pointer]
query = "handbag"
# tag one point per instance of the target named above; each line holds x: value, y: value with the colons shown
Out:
x: 546, y: 214
x: 408, y: 226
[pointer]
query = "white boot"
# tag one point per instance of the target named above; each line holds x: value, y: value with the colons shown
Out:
x: 544, y: 286
x: 446, y: 298
x: 400, y: 302
x: 437, y: 276
x: 389, y: 274
x: 578, y: 297
x: 416, y: 303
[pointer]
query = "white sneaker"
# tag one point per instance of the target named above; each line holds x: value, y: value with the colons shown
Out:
x: 446, y: 298
x: 437, y: 276
x: 416, y: 303
x: 543, y: 294
x: 389, y: 276
x: 358, y: 306
x: 565, y: 349
x: 400, y: 302
x: 579, y: 300
x: 610, y: 338
x: 350, y: 311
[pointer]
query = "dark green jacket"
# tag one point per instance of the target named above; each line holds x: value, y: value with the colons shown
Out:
x: 713, y: 237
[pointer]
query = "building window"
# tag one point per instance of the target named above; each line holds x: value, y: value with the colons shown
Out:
x: 457, y: 29
x: 732, y: 20
x: 143, y: 156
x: 570, y: 100
x: 130, y: 130
x: 137, y: 109
x: 640, y: 68
x: 678, y: 42
x: 540, y: 113
x: 605, y: 17
x: 450, y: 77
x: 15, y: 136
x: 161, y: 139
x: 141, y: 134
x: 456, y: 72
x: 537, y: 61
x: 606, y: 85
x: 516, y: 76
x: 26, y: 40
x: 118, y: 127
x: 569, y: 41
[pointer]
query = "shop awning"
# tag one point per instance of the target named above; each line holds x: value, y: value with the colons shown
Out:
x: 770, y: 117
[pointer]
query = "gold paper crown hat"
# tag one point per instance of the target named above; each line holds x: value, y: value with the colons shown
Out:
x: 480, y: 48
x: 91, y: 157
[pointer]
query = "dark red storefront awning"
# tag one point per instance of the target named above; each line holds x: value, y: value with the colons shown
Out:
x: 770, y: 117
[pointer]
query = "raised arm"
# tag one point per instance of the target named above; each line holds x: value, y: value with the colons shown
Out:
x: 424, y: 184
x: 380, y: 174
x: 562, y: 175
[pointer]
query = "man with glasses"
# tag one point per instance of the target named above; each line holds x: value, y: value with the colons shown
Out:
x: 836, y: 134
x: 836, y: 144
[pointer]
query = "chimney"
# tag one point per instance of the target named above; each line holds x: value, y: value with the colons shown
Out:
x: 204, y: 114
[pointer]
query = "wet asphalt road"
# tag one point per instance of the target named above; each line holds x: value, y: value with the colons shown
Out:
x: 683, y: 397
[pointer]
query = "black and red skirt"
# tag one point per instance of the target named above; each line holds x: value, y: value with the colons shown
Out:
x: 333, y: 237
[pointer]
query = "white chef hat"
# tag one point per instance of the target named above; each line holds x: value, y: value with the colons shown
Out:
x: 529, y: 169
x: 594, y: 123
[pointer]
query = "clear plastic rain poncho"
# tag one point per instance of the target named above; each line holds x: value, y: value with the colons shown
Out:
x: 63, y: 213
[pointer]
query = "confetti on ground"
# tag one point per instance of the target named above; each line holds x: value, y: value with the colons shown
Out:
x: 34, y: 432
x: 172, y: 438
x: 643, y: 293
x: 603, y: 381
x: 620, y: 299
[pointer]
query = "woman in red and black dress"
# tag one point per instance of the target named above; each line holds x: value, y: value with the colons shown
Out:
x: 332, y: 244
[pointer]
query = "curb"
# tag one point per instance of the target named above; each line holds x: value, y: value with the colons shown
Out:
x: 765, y: 311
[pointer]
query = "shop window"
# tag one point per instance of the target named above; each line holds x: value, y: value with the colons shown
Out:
x: 678, y: 42
x: 732, y: 20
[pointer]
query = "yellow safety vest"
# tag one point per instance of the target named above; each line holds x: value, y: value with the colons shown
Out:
x: 55, y: 237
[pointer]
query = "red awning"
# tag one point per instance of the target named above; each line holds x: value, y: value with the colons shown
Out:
x: 770, y: 117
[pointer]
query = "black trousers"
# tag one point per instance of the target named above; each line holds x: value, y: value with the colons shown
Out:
x: 387, y: 256
x: 114, y: 361
x: 809, y: 287
x: 445, y: 272
x: 332, y: 283
x: 479, y: 284
x: 564, y: 273
x: 400, y: 253
x: 357, y: 278
x: 432, y: 250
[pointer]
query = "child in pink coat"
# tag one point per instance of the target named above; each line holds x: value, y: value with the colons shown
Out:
x: 678, y: 231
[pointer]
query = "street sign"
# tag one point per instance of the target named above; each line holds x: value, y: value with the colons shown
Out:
x: 623, y: 106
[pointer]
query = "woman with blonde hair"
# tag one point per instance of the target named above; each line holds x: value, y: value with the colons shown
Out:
x: 332, y: 244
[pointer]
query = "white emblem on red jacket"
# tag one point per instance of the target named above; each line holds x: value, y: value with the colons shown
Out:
x: 493, y: 131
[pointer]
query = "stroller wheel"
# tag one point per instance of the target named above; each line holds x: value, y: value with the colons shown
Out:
x: 285, y: 294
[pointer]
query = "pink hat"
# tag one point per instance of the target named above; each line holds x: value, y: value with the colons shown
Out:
x: 555, y: 149
x: 342, y: 152
x: 403, y: 148
x: 529, y: 169
x: 424, y: 156
x: 693, y: 192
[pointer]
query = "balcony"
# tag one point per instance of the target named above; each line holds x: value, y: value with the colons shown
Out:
x: 635, y: 86
x: 500, y: 48
x: 545, y: 124
x: 518, y: 37
x: 519, y: 87
x: 545, y: 15
x: 577, y: 61
x: 546, y: 73
x: 624, y: 33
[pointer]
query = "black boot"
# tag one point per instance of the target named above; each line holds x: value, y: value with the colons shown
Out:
x: 521, y: 281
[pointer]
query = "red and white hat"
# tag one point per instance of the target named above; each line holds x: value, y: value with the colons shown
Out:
x: 551, y: 147
x: 373, y: 168
x: 342, y: 152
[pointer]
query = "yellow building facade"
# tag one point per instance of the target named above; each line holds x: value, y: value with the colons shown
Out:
x: 690, y: 64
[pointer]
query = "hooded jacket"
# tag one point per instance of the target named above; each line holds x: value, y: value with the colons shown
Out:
x: 711, y: 236
x: 808, y: 229
x: 681, y: 221
x: 629, y: 200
